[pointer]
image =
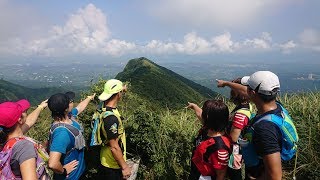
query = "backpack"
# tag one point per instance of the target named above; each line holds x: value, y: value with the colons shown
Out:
x: 97, y: 126
x: 79, y: 141
x: 99, y: 134
x: 288, y: 131
x: 204, y: 150
x: 5, y: 158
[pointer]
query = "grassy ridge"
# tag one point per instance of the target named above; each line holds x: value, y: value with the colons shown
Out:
x: 162, y: 138
x: 161, y: 86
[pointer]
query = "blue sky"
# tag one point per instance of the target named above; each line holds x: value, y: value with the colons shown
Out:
x: 167, y: 29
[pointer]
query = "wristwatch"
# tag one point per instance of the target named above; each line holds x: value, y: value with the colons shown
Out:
x: 65, y: 172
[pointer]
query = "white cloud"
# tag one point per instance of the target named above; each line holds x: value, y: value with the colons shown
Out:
x: 118, y: 47
x: 310, y: 39
x: 223, y: 43
x: 263, y: 42
x: 287, y: 47
x: 194, y: 45
x: 87, y: 32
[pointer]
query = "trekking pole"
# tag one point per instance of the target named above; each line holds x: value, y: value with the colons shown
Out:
x: 295, y: 166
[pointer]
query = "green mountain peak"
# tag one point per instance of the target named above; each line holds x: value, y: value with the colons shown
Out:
x: 160, y: 85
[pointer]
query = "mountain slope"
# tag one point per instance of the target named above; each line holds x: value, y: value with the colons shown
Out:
x: 13, y: 92
x: 160, y: 85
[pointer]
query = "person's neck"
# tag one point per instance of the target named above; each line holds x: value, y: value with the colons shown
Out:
x: 212, y: 133
x: 264, y: 107
x: 64, y: 120
x: 112, y: 103
x: 16, y: 133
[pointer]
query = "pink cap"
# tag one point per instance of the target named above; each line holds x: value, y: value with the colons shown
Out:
x: 10, y: 112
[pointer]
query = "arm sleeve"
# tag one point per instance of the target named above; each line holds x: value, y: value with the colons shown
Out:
x: 60, y: 140
x: 23, y: 151
x: 74, y: 112
x: 267, y: 138
x: 240, y: 120
x: 111, y: 125
x: 220, y: 159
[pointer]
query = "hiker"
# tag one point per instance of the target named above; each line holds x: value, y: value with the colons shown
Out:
x: 23, y: 159
x: 238, y: 120
x: 73, y: 112
x: 265, y: 142
x: 212, y: 146
x: 113, y: 164
x: 66, y: 141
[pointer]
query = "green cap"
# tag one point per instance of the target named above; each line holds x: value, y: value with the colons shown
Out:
x: 111, y: 87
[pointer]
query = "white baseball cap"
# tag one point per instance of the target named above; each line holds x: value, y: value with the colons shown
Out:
x: 267, y: 81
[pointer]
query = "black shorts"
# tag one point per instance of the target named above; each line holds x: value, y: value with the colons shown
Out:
x: 109, y: 173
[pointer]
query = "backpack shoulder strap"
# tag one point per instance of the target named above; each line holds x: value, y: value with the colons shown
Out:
x: 11, y: 142
x: 219, y: 143
x: 73, y: 130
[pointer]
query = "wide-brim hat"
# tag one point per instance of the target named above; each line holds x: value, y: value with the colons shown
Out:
x: 111, y: 87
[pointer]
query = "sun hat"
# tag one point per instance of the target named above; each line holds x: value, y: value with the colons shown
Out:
x: 267, y: 81
x: 10, y: 112
x: 111, y: 87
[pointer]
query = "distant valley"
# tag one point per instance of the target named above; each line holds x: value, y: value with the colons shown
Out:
x: 79, y: 75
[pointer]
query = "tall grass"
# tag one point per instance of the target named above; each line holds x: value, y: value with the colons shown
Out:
x: 305, y: 110
x: 162, y: 138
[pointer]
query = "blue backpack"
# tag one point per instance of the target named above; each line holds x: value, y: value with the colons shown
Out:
x: 289, y: 137
x: 288, y: 131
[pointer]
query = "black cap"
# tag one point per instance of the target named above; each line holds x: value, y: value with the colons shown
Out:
x: 71, y: 95
x: 58, y: 103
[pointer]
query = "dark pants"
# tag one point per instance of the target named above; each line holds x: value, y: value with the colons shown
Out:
x: 109, y: 173
x: 234, y: 174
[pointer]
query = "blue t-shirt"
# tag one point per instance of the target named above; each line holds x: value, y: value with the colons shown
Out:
x: 62, y: 142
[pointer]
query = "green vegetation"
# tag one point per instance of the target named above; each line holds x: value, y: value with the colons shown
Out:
x: 163, y: 138
x: 160, y: 130
x: 161, y: 86
x: 13, y: 92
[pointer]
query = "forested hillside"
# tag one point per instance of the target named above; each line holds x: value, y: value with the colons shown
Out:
x: 13, y: 92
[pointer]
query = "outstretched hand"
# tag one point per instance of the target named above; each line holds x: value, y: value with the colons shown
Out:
x: 125, y: 88
x: 44, y: 104
x: 191, y: 106
x: 221, y: 83
x: 92, y: 96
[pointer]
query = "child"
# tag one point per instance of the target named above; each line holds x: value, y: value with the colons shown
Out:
x: 212, y: 147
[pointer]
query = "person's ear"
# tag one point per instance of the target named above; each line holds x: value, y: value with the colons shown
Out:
x: 20, y: 121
